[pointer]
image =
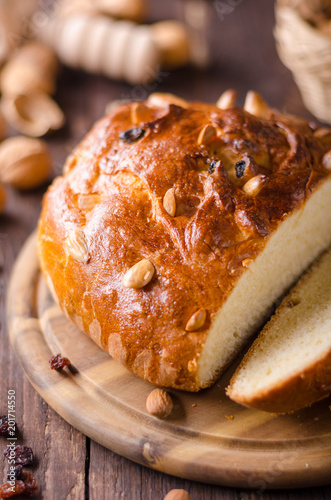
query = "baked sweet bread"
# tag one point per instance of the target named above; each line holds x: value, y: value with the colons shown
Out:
x: 176, y: 225
x: 289, y: 365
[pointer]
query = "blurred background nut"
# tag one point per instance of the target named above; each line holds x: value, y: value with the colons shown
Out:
x: 34, y: 114
x: 14, y: 16
x: 135, y: 10
x: 3, y: 198
x: 67, y: 8
x: 172, y: 40
x: 177, y: 495
x: 32, y: 69
x: 25, y: 163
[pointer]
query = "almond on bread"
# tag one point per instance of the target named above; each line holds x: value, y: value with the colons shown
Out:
x: 176, y: 225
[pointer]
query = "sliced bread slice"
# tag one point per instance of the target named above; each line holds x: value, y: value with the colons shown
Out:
x: 289, y: 365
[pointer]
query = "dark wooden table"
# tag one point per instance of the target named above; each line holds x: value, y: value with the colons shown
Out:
x: 70, y: 465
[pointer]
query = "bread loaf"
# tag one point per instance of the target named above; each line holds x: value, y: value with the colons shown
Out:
x: 176, y: 225
x: 289, y: 365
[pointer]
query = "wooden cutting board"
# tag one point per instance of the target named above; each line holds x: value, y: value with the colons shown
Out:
x: 207, y: 437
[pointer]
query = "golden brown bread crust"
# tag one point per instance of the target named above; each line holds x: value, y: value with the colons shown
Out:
x: 198, y: 253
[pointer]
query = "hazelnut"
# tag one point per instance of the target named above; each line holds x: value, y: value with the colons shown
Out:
x: 159, y: 403
x: 177, y: 495
x: 24, y: 163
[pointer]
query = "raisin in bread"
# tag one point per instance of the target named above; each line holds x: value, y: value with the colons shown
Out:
x: 176, y: 225
x: 289, y: 364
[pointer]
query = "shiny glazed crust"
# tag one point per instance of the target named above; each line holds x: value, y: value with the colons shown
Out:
x: 220, y: 222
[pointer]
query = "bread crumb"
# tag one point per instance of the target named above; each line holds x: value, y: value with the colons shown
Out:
x: 316, y: 419
x: 229, y: 417
x: 194, y: 405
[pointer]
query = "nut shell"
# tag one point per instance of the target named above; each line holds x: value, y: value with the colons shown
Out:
x: 172, y: 39
x: 34, y: 114
x: 24, y: 163
x: 32, y: 69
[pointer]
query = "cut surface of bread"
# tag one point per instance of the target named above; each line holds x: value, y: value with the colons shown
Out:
x: 176, y: 225
x: 289, y: 364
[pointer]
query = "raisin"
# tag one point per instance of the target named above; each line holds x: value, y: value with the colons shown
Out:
x: 240, y: 168
x: 7, y: 490
x: 22, y: 455
x: 15, y: 473
x: 212, y: 166
x: 58, y: 362
x: 31, y: 486
x: 132, y: 135
x: 4, y: 431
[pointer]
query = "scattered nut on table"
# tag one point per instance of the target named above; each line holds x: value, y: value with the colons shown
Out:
x: 177, y: 495
x: 159, y: 403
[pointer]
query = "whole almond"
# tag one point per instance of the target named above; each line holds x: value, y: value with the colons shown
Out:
x: 87, y: 202
x: 177, y: 495
x: 159, y: 403
x: 76, y: 246
x: 162, y: 100
x: 140, y: 113
x: 169, y: 202
x: 207, y: 134
x: 196, y: 321
x: 139, y: 275
x: 227, y: 100
x: 256, y: 105
x: 25, y: 163
x: 254, y: 185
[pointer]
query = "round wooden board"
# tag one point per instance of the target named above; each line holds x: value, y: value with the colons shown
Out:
x: 207, y: 437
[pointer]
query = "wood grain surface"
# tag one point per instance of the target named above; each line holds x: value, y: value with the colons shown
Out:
x: 69, y: 465
x: 207, y: 437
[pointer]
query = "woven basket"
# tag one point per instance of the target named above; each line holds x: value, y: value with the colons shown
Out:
x: 307, y: 53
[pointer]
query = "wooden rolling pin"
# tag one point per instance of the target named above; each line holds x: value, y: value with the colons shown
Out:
x: 121, y: 50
